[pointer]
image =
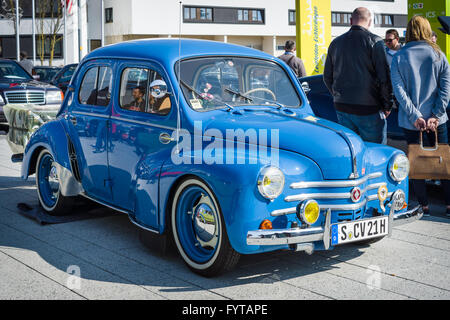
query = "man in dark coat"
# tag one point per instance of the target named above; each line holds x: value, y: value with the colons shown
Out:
x: 292, y: 60
x: 357, y: 75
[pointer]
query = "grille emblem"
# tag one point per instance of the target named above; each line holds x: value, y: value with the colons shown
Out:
x: 355, y: 194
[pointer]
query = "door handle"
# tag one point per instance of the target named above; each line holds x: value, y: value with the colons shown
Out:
x: 165, y: 138
x: 73, y: 119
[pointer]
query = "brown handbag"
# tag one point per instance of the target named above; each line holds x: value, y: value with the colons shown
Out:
x: 429, y: 163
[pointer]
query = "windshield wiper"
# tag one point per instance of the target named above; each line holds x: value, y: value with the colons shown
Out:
x: 204, y: 98
x: 280, y: 106
x: 239, y: 94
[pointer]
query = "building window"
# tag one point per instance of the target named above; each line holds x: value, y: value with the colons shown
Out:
x: 196, y: 14
x: 383, y: 20
x: 8, y: 46
x: 340, y: 18
x: 250, y: 15
x: 94, y: 44
x: 108, y: 15
x: 292, y: 17
x: 44, y: 9
x: 223, y: 15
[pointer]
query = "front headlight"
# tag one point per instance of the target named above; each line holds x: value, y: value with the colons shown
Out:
x: 399, y: 167
x: 270, y: 182
x: 53, y: 97
x: 2, y: 102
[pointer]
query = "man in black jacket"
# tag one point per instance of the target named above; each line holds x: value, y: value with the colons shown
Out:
x: 357, y: 75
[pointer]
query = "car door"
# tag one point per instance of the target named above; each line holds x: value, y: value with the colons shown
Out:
x: 88, y: 121
x: 141, y: 127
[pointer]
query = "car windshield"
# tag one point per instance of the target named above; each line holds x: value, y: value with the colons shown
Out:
x: 10, y: 71
x: 227, y: 82
x: 46, y: 74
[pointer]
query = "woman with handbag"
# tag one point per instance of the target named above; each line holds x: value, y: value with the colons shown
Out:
x: 420, y: 77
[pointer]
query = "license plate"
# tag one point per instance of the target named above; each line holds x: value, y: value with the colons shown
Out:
x: 359, y: 230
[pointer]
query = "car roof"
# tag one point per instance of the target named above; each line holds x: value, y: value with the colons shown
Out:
x: 7, y: 60
x: 169, y: 50
x: 46, y: 67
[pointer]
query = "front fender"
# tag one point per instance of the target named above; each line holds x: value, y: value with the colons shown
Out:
x: 235, y: 187
x: 51, y: 136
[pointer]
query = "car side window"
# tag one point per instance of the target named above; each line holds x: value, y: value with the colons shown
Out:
x: 67, y: 75
x: 95, y: 88
x: 144, y: 90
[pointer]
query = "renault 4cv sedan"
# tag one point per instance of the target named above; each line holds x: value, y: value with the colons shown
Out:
x: 215, y: 145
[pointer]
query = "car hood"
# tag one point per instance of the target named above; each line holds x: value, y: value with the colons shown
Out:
x: 337, y: 150
x: 25, y: 85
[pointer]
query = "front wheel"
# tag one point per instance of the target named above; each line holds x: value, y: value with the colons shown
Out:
x: 48, y: 185
x: 199, y: 230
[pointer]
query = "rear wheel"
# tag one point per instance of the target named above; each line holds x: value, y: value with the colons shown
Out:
x: 199, y: 230
x: 48, y: 185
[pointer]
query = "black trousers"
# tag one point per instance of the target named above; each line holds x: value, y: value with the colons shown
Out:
x: 418, y: 186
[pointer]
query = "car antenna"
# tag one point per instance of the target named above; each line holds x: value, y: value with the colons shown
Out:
x: 179, y: 79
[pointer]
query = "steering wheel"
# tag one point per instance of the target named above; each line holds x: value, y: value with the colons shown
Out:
x: 262, y: 89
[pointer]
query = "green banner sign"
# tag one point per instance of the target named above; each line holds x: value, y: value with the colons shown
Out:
x: 431, y: 9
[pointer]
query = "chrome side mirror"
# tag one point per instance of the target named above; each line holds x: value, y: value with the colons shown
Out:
x: 305, y: 87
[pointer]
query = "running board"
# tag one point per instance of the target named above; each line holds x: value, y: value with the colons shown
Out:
x: 128, y: 213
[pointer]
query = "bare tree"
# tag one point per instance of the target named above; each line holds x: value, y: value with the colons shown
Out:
x: 51, y: 22
x: 9, y: 12
x: 41, y: 12
x: 56, y: 24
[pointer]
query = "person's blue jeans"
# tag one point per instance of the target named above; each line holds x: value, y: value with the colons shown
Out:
x: 418, y: 186
x: 371, y: 128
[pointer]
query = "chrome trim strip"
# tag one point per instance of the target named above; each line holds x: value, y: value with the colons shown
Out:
x: 282, y: 212
x: 308, y: 196
x: 103, y: 203
x: 329, y: 195
x: 91, y: 114
x: 408, y: 216
x: 334, y: 184
x: 284, y: 236
x: 342, y: 207
x: 144, y: 123
x: 375, y: 196
x: 354, y: 174
x: 140, y: 226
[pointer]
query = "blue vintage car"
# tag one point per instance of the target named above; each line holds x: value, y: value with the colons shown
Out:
x: 216, y: 145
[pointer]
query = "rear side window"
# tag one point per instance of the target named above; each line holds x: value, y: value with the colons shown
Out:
x: 144, y: 90
x: 96, y: 87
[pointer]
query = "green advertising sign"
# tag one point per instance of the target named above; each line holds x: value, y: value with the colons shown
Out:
x: 432, y: 9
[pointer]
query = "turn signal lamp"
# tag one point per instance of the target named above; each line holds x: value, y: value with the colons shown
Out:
x: 265, y: 225
x: 308, y: 212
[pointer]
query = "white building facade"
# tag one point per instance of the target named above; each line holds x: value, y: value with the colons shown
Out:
x: 262, y: 24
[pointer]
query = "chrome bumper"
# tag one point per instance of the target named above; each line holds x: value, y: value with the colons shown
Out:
x: 298, y: 236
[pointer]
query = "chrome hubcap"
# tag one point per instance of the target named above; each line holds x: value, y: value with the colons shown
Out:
x: 205, y: 223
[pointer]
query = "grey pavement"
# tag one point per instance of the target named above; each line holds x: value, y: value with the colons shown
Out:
x: 102, y: 258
